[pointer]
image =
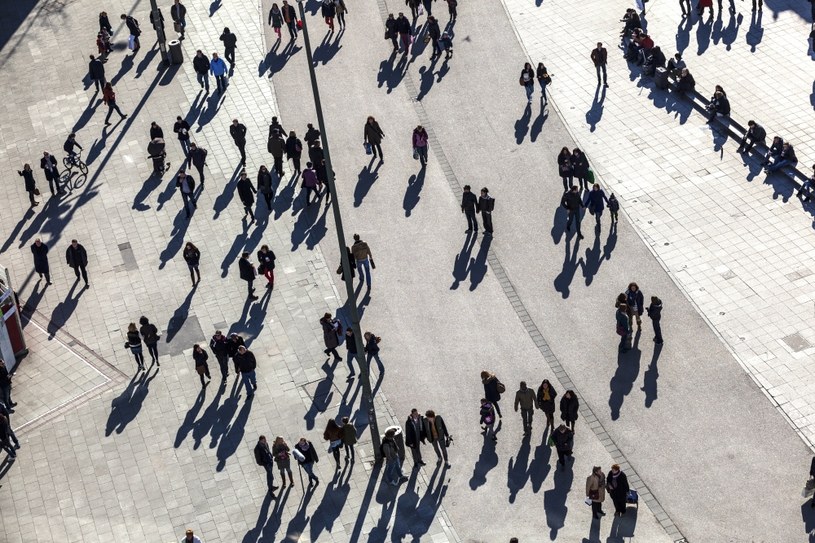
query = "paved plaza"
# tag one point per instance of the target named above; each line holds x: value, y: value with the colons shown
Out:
x: 715, y: 428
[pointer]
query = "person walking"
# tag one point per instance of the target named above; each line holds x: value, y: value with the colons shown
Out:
x: 197, y: 157
x: 572, y: 202
x: 613, y: 208
x: 276, y: 145
x: 420, y: 142
x: 192, y: 256
x: 415, y: 436
x: 428, y: 7
x: 77, y: 258
x: 157, y: 21
x: 349, y: 439
x: 527, y: 81
x: 351, y: 348
x: 331, y: 326
x: 109, y: 97
x: 134, y: 29
x: 403, y: 28
x: 246, y: 193
x: 265, y: 186
x: 290, y: 18
x: 6, y: 412
x: 30, y: 184
x: 328, y: 10
x: 104, y: 22
x: 219, y: 345
x: 373, y: 135
x: 655, y: 314
x: 487, y: 412
x: 372, y: 351
x: 569, y: 408
x: 563, y: 440
x: 247, y: 273
x: 391, y: 32
x: 48, y: 163
x: 150, y: 335
x: 364, y: 259
x: 265, y: 458
x: 486, y: 205
x: 635, y: 301
x: 623, y: 327
x: 434, y: 33
x: 230, y: 41
x: 200, y: 357
x: 217, y: 67
x: 596, y: 491
x: 451, y: 8
x: 182, y: 129
x: 310, y: 183
x: 156, y: 131
x: 436, y: 434
x: 96, y: 71
x: 245, y: 360
x: 564, y: 164
x: 333, y: 434
x: 276, y: 19
x: 294, y: 150
x: 595, y: 203
x: 178, y: 13
x: 544, y: 79
x: 186, y: 185
x: 134, y: 344
x: 5, y: 437
x: 238, y: 132
x: 40, y: 252
x: 599, y: 56
x: 341, y: 9
x: 469, y: 205
x: 307, y: 458
x: 493, y: 388
x: 393, y: 464
x: 266, y: 258
x: 282, y: 457
x: 617, y: 486
x: 525, y: 398
x: 546, y: 401
x: 201, y: 65
x: 190, y: 537
x: 5, y: 387
x: 580, y: 168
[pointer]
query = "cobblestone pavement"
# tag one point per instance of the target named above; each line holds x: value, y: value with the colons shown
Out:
x: 733, y: 238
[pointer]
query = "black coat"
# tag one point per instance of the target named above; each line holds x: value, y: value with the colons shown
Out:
x: 150, y: 334
x: 412, y: 438
x: 469, y: 201
x: 267, y: 259
x: 232, y: 346
x: 246, y: 362
x: 402, y: 25
x: 133, y: 26
x: 247, y: 270
x: 569, y: 408
x: 564, y: 441
x: 156, y: 132
x: 246, y: 191
x: 328, y: 9
x: 198, y: 157
x: 294, y: 147
x: 572, y: 201
x: 54, y: 169
x: 201, y: 64
x: 40, y: 257
x: 219, y: 346
x: 547, y: 406
x: 655, y: 311
x: 28, y: 177
x: 486, y: 204
x: 230, y: 40
x: 192, y: 256
x: 619, y: 492
x: 265, y: 182
x: 76, y: 257
x: 491, y: 389
x: 178, y: 12
x: 182, y: 128
x: 372, y: 133
x: 433, y: 30
x: 580, y: 166
x: 310, y: 454
x: 96, y: 69
x: 238, y: 133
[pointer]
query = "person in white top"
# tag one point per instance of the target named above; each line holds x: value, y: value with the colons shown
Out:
x: 191, y: 537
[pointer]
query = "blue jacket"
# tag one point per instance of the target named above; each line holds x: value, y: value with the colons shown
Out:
x: 217, y: 67
x: 595, y: 199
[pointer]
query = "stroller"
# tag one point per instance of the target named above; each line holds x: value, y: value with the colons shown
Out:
x: 156, y: 153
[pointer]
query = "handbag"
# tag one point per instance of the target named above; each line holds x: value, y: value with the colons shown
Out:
x: 177, y: 27
x: 415, y: 154
x: 426, y: 39
x: 594, y: 494
x: 368, y: 149
x: 551, y: 441
x: 299, y: 24
x: 547, y: 79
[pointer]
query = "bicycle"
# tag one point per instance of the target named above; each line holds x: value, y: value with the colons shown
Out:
x: 75, y: 161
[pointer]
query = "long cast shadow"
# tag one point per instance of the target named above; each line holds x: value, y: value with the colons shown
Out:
x: 365, y: 180
x: 323, y: 394
x: 564, y: 279
x: 650, y: 378
x: 487, y: 460
x: 127, y: 405
x: 518, y: 471
x: 233, y: 437
x: 594, y: 114
x: 180, y: 315
x: 310, y: 227
x: 554, y: 501
x: 64, y: 309
x: 628, y: 368
x: 203, y: 425
x: 413, y: 192
x: 478, y: 265
x: 413, y: 516
x: 188, y: 423
x: 522, y: 124
x: 461, y: 266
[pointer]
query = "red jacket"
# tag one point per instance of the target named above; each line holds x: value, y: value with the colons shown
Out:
x: 108, y: 95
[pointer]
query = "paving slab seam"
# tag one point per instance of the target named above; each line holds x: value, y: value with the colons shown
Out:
x: 380, y: 398
x: 642, y: 235
x: 520, y: 310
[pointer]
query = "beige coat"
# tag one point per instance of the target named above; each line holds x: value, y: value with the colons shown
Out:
x: 596, y: 482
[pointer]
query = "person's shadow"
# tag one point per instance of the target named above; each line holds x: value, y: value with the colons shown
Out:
x: 365, y: 180
x: 537, y: 125
x: 517, y: 470
x: 554, y: 501
x: 64, y: 309
x: 223, y: 417
x: 756, y: 32
x: 299, y: 521
x: 478, y: 265
x: 683, y: 34
x: 731, y: 32
x: 180, y: 315
x: 413, y: 192
x: 234, y: 436
x: 539, y: 467
x: 327, y: 511
x: 611, y: 241
x: 594, y: 114
x: 487, y: 460
x: 522, y: 124
x: 703, y: 35
x: 564, y: 279
x: 127, y: 405
x: 323, y: 395
x: 558, y: 224
x: 628, y: 368
x: 591, y: 263
x: 650, y: 377
x: 462, y: 261
x: 414, y: 516
x: 623, y: 528
x: 189, y: 420
x: 203, y: 425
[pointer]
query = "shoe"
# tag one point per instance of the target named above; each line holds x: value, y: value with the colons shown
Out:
x: 254, y: 297
x: 274, y: 488
x: 468, y: 230
x: 107, y: 123
x: 339, y: 359
x: 421, y: 463
x: 124, y: 116
x: 579, y: 235
x: 602, y: 514
x: 13, y: 404
x: 255, y: 386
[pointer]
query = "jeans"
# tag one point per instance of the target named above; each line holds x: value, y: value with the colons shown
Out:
x: 137, y: 353
x: 292, y: 25
x: 223, y: 362
x: 220, y: 81
x: 309, y: 468
x: 203, y: 80
x: 573, y: 216
x: 185, y: 146
x: 601, y: 68
x: 269, y: 475
x: 746, y: 145
x: 422, y: 152
x: 778, y: 164
x: 111, y: 107
x: 526, y: 417
x: 366, y: 263
x: 530, y: 90
x: 472, y: 222
x: 152, y: 349
x: 416, y: 453
x: 188, y: 199
x: 393, y: 471
x: 250, y: 381
x: 349, y: 451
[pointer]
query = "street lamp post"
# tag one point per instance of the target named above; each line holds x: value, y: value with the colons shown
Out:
x: 162, y: 38
x: 346, y: 264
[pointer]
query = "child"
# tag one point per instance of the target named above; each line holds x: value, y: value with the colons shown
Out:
x: 488, y: 418
x: 446, y: 44
x: 613, y: 207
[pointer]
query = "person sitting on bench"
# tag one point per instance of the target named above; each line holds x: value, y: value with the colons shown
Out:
x: 654, y: 60
x: 808, y: 186
x: 719, y: 104
x: 774, y: 151
x: 676, y: 64
x: 786, y: 158
x: 685, y: 82
x: 755, y: 134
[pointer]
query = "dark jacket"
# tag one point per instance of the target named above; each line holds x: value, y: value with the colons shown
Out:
x: 657, y: 57
x: 371, y: 345
x: 150, y: 333
x: 96, y: 69
x: 294, y: 147
x: 412, y: 436
x: 433, y: 30
x: 76, y: 257
x: 328, y: 9
x: 200, y: 357
x: 564, y: 163
x: 232, y: 345
x: 263, y: 455
x: 201, y: 64
x: 178, y: 12
x: 686, y: 83
x: 133, y: 26
x: 720, y: 105
x: 789, y: 154
x: 572, y: 201
x: 486, y: 204
x: 192, y: 256
x: 198, y: 157
x: 580, y: 165
x: 265, y: 182
x: 469, y: 201
x: 229, y: 39
x: 310, y: 453
x: 219, y: 347
x: 156, y: 132
x: 655, y: 311
x: 182, y: 128
x: 595, y: 200
x: 441, y: 429
x: 276, y: 145
x: 349, y: 434
x: 133, y: 339
x: 5, y: 377
x: 247, y: 269
x: 547, y: 406
x: 312, y: 136
x: 569, y: 408
x: 564, y: 441
x: 276, y: 19
x: 599, y: 56
x: 238, y: 133
x: 54, y: 168
x: 40, y: 257
x: 246, y: 191
x: 620, y: 488
x: 402, y: 25
x: 351, y: 343
x: 635, y: 298
x: 491, y: 389
x: 756, y: 133
x: 390, y: 27
x: 267, y: 259
x: 28, y: 178
x: 289, y: 15
x: 246, y: 362
x: 329, y: 333
x: 160, y: 19
x: 317, y: 157
x: 372, y: 133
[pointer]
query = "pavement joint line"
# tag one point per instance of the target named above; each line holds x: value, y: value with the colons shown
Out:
x: 505, y: 282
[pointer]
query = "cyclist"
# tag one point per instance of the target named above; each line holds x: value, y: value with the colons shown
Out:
x: 69, y: 146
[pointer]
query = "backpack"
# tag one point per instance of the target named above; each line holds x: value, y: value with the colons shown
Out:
x: 259, y: 456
